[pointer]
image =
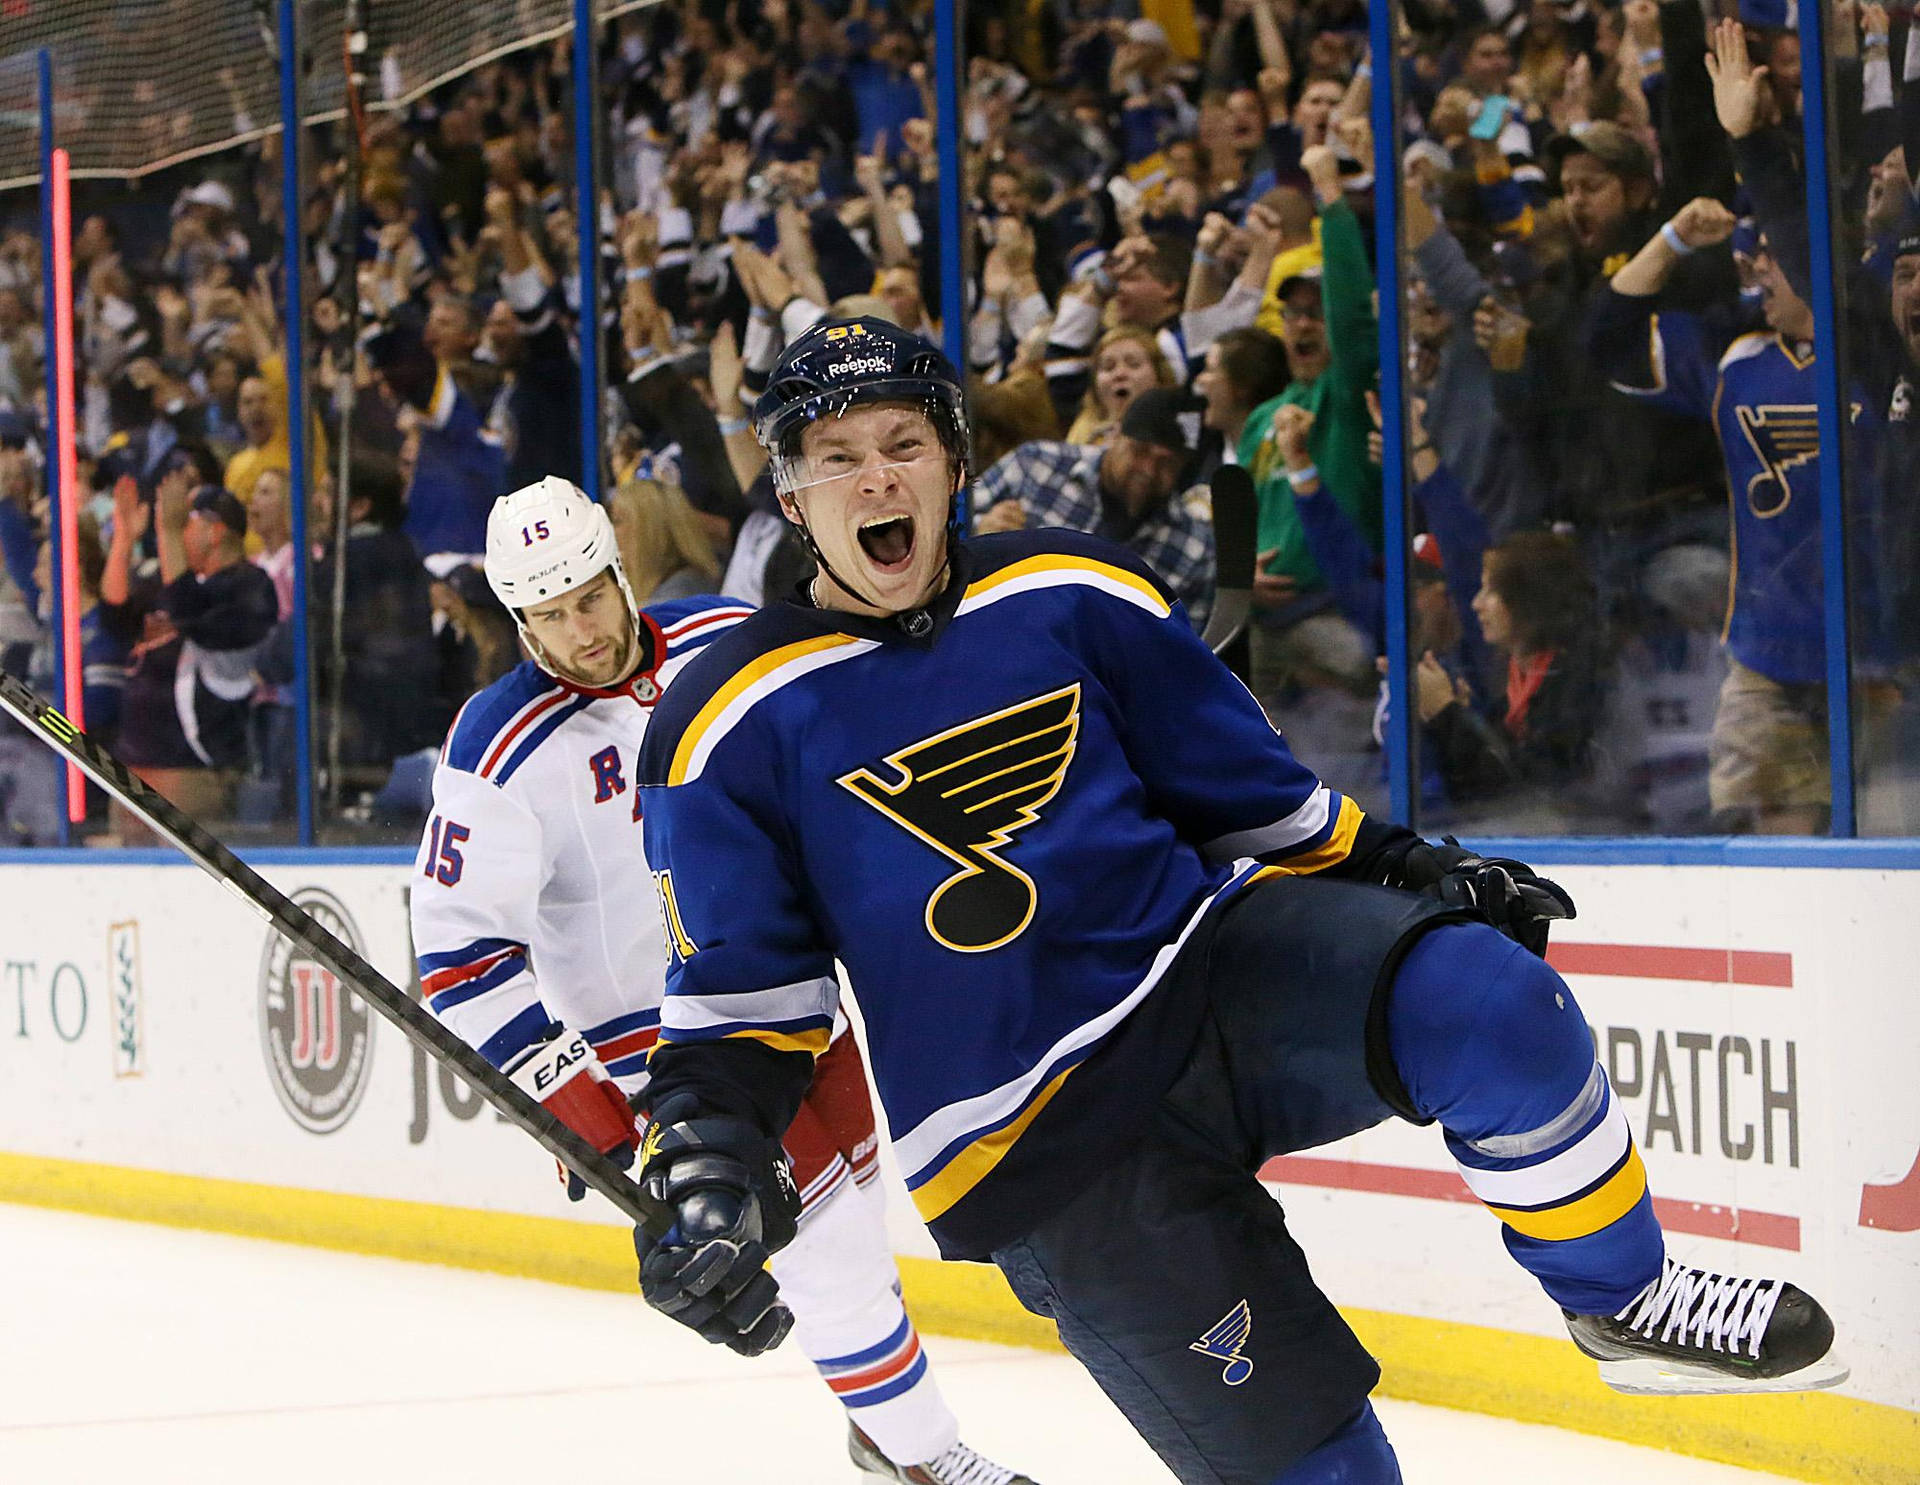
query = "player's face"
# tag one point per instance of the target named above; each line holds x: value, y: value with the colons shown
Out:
x: 586, y: 636
x: 875, y: 486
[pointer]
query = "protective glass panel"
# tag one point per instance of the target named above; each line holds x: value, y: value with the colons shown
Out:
x: 1600, y: 343
x: 1874, y: 92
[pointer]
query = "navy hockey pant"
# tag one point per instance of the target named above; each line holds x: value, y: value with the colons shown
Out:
x: 1171, y: 1274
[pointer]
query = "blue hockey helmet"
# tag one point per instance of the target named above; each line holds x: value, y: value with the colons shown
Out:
x: 838, y: 365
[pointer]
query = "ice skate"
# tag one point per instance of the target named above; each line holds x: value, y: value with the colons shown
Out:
x: 958, y: 1466
x: 1691, y: 1331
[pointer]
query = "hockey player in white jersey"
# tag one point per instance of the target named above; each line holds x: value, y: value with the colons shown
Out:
x: 540, y: 944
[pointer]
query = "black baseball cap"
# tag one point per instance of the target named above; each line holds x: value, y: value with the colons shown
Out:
x: 1154, y: 417
x: 223, y: 505
x: 1614, y: 147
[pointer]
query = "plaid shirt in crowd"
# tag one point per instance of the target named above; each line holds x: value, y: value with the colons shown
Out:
x: 1058, y: 484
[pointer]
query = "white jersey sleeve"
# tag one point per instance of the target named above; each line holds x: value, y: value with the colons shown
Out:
x: 476, y: 895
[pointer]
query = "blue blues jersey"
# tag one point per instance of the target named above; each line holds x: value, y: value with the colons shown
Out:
x: 1003, y: 828
x: 1758, y: 392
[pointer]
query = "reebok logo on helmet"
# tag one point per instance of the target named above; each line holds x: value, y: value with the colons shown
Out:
x: 858, y: 364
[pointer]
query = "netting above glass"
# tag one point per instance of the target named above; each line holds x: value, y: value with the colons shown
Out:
x: 140, y: 84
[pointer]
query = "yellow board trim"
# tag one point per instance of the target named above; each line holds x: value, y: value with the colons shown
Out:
x: 717, y: 703
x: 1029, y: 566
x: 965, y: 1170
x: 1589, y: 1214
x: 1817, y: 1436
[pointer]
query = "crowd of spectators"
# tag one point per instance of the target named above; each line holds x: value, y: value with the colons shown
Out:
x: 1169, y: 267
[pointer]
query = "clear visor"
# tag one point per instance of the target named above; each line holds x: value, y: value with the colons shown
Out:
x: 884, y: 447
x: 797, y: 473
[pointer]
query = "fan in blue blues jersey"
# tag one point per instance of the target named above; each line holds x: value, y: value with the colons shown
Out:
x: 1114, y: 947
x: 538, y: 945
x: 1756, y: 388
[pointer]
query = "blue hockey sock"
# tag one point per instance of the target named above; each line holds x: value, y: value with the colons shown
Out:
x: 1489, y: 1041
x: 1357, y: 1454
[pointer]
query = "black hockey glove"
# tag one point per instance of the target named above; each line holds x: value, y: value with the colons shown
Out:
x: 1509, y: 894
x: 734, y: 1194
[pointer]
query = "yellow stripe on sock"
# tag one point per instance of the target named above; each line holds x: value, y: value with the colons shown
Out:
x: 1589, y: 1214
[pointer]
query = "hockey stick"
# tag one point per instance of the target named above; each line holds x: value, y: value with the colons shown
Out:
x: 1235, y: 514
x: 299, y: 927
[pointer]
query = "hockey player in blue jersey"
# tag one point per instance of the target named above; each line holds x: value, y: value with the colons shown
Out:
x: 539, y: 945
x: 1114, y: 947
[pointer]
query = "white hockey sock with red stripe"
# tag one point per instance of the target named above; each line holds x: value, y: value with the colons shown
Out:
x: 838, y: 1277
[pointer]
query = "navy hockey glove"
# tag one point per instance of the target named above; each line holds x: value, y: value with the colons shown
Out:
x: 1509, y: 894
x: 736, y: 1203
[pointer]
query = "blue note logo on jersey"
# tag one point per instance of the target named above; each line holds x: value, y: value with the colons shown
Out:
x: 1782, y: 439
x: 1224, y: 1341
x: 966, y: 792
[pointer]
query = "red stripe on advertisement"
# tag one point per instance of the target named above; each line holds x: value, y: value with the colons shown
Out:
x: 1697, y: 1219
x: 1672, y: 962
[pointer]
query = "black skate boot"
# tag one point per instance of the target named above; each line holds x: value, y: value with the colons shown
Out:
x: 1693, y: 1331
x: 958, y: 1466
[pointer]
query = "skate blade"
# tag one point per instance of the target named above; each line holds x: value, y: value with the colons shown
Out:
x: 1644, y: 1377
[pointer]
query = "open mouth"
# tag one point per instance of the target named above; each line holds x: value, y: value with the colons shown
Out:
x: 888, y: 542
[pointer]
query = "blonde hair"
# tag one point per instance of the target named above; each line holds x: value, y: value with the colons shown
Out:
x: 1091, y: 424
x: 658, y: 534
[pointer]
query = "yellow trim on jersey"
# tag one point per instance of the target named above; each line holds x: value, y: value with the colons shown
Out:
x: 971, y: 1166
x: 1061, y: 563
x: 813, y: 1043
x: 1587, y: 1215
x: 1330, y: 852
x: 746, y: 677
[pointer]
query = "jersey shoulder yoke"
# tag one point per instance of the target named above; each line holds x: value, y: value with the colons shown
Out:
x: 490, y: 735
x: 1053, y: 557
x: 735, y: 667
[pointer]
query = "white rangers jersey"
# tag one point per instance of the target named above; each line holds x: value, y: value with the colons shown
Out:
x: 532, y: 903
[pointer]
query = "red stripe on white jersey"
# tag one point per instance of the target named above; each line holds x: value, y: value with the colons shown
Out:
x: 459, y: 974
x: 528, y: 714
x: 614, y: 1048
x: 696, y: 622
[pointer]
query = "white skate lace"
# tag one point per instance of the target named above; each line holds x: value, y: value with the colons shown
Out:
x: 961, y: 1466
x: 1708, y: 1311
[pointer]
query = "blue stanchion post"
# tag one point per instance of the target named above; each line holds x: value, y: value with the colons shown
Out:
x: 586, y: 91
x: 1402, y: 759
x: 1828, y: 390
x: 294, y: 317
x: 947, y: 62
x: 54, y: 371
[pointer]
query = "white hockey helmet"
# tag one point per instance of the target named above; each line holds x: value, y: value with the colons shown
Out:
x: 547, y: 539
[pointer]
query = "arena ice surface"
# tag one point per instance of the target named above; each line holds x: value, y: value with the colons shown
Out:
x: 149, y: 1354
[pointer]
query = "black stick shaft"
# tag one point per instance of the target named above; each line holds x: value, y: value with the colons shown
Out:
x: 417, y: 1023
